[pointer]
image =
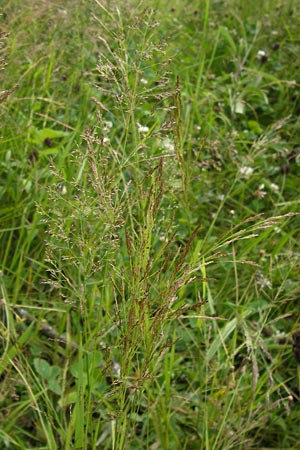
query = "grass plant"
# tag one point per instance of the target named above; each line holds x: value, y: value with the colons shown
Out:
x: 149, y: 225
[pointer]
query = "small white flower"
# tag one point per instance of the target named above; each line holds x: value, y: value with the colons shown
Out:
x: 62, y: 12
x: 106, y: 140
x: 274, y: 187
x: 168, y: 145
x: 116, y: 368
x: 259, y: 193
x: 246, y: 171
x: 142, y: 129
x: 262, y: 56
x: 108, y: 124
x: 63, y: 189
x: 261, y: 53
x: 143, y: 81
x: 263, y: 281
x: 107, y: 127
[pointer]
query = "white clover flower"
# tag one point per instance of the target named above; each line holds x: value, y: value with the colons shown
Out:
x: 262, y: 56
x: 62, y: 12
x: 142, y: 129
x: 261, y: 53
x: 259, y: 193
x: 108, y: 124
x: 116, y: 368
x: 168, y: 145
x: 163, y: 238
x: 106, y: 140
x: 274, y: 187
x: 246, y: 171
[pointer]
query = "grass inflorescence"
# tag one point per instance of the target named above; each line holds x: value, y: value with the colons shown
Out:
x: 149, y: 225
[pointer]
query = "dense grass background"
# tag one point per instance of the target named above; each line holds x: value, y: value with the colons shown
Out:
x: 149, y: 229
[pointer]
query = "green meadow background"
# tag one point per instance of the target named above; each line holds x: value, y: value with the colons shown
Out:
x: 149, y: 234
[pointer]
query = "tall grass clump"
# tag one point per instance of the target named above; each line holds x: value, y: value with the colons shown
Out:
x: 149, y: 283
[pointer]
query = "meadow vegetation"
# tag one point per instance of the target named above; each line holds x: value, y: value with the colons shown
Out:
x: 149, y: 237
